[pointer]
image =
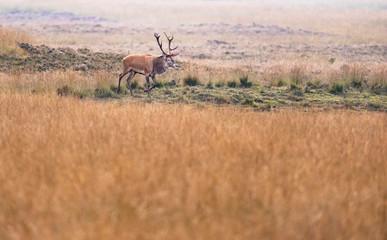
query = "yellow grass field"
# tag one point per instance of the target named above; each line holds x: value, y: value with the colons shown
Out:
x: 296, y: 149
x: 86, y: 169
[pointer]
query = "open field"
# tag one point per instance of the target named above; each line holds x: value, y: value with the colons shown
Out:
x: 85, y: 169
x: 290, y: 57
x: 274, y: 126
x: 84, y: 73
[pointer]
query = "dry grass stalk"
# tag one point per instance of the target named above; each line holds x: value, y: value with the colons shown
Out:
x: 303, y: 72
x: 76, y: 169
x: 49, y: 82
x: 9, y: 39
x: 281, y: 74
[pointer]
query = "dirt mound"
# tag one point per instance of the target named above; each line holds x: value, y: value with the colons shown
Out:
x: 45, y: 58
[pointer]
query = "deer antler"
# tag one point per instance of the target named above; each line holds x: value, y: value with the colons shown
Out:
x: 157, y: 36
x: 169, y: 45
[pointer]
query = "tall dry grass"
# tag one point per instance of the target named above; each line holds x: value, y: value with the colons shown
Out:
x: 9, y: 39
x: 369, y: 75
x: 49, y: 82
x: 82, y: 169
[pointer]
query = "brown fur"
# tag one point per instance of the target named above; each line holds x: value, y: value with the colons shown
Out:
x: 139, y: 63
x: 147, y: 65
x: 159, y: 65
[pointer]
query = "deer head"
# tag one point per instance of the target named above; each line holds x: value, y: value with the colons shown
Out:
x: 168, y: 57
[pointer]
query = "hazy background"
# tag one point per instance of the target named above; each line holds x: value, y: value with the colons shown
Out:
x: 246, y: 34
x: 180, y: 11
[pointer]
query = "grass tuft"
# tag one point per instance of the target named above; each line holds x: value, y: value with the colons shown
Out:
x: 134, y: 84
x: 65, y: 91
x: 210, y: 85
x: 191, y: 81
x: 244, y: 82
x: 248, y: 101
x: 281, y: 83
x: 219, y: 84
x: 9, y: 40
x: 232, y: 84
x: 338, y: 87
x: 104, y: 93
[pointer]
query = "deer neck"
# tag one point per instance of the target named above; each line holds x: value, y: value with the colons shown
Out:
x: 159, y: 65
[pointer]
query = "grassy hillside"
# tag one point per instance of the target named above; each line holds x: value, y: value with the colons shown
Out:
x: 85, y: 73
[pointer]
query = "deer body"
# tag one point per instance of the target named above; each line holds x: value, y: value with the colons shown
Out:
x: 144, y: 64
x: 147, y: 65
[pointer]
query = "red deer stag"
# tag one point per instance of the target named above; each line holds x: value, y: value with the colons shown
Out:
x: 148, y: 65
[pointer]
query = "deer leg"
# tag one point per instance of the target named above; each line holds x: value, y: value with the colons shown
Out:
x: 128, y: 80
x: 148, y: 84
x: 119, y: 80
x: 154, y: 82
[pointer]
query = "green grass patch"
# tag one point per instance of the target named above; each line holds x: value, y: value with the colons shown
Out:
x: 263, y: 98
x: 248, y: 101
x: 191, y: 81
x: 134, y: 84
x: 357, y: 83
x: 210, y: 85
x: 296, y: 89
x: 104, y: 93
x: 338, y: 87
x: 219, y: 84
x: 380, y: 89
x: 281, y: 83
x: 244, y: 82
x: 232, y: 84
